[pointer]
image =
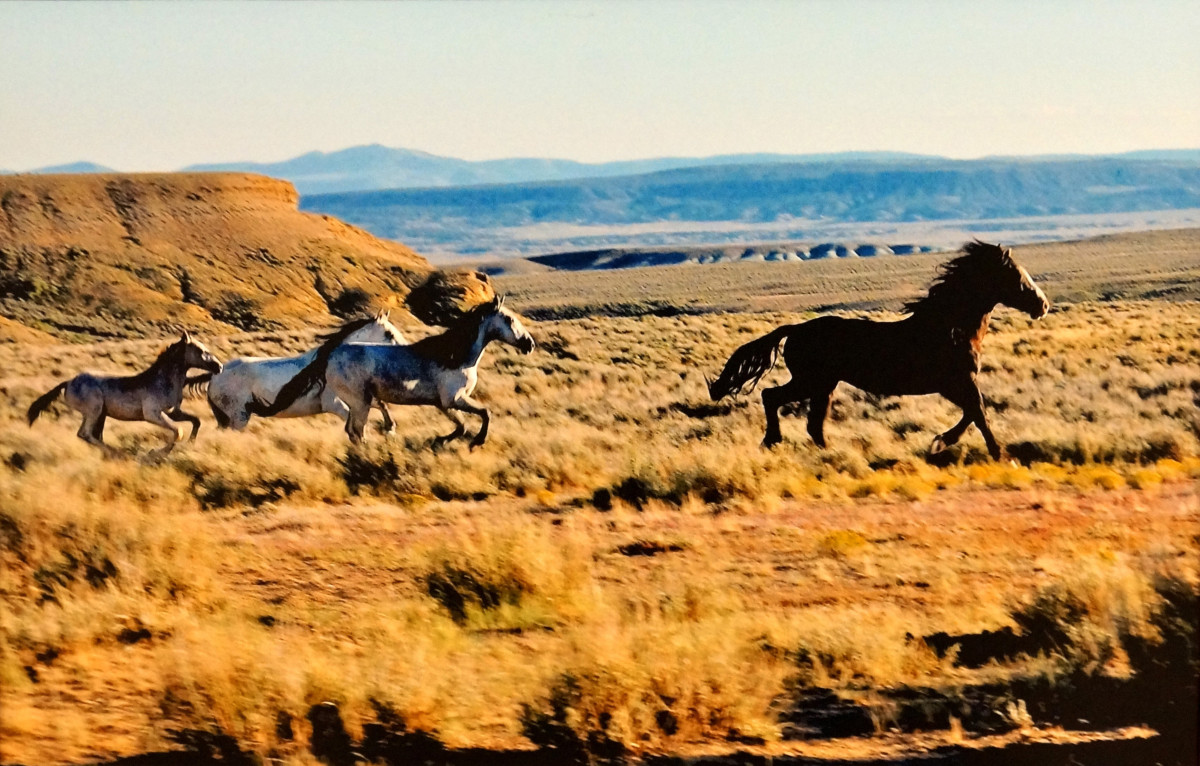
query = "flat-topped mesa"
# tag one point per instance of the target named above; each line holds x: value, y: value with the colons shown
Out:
x: 122, y: 254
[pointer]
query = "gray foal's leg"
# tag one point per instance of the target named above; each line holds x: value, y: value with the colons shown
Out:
x: 92, y: 432
x: 161, y: 420
x: 179, y: 416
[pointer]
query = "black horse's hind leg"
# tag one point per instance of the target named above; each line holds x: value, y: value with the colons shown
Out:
x: 818, y: 410
x: 773, y: 399
x: 179, y: 416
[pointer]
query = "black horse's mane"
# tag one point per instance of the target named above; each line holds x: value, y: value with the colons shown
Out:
x: 961, y: 279
x: 451, y: 347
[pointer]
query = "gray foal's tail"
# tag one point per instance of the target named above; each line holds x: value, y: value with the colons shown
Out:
x: 45, y: 400
x: 748, y: 364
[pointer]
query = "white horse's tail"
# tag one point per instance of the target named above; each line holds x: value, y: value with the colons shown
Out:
x: 197, y: 384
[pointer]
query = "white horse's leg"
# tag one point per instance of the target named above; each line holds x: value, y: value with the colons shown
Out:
x: 230, y: 411
x: 238, y: 417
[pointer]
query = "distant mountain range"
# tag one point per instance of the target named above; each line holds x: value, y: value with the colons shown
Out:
x: 365, y: 168
x: 380, y: 167
x: 801, y: 196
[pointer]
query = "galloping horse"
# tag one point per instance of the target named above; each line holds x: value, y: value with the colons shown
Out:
x: 153, y: 395
x: 245, y: 378
x: 439, y: 370
x: 935, y: 350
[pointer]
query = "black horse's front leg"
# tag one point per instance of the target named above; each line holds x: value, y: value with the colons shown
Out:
x: 773, y: 399
x: 179, y: 416
x: 967, y: 396
x: 949, y: 438
x: 818, y: 410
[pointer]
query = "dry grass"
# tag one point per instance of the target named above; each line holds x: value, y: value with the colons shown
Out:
x: 621, y: 567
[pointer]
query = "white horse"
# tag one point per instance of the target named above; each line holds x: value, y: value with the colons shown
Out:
x: 243, y: 379
x: 440, y: 370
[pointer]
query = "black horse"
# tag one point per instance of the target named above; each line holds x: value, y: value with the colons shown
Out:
x: 935, y: 350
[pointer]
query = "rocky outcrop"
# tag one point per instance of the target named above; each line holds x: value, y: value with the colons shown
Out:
x: 129, y: 254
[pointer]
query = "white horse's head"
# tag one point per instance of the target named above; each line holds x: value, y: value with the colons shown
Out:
x: 505, y: 326
x: 378, y: 330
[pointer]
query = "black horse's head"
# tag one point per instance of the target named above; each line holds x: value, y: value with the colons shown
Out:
x: 986, y: 272
x: 1017, y: 288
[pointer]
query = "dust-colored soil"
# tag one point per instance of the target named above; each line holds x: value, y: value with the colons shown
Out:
x: 934, y: 560
x: 118, y: 254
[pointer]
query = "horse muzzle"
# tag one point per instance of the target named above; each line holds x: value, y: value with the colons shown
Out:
x: 526, y: 345
x: 214, y: 367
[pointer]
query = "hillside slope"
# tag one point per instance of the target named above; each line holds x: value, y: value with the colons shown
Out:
x: 133, y: 254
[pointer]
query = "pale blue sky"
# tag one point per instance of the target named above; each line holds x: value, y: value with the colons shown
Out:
x: 155, y: 86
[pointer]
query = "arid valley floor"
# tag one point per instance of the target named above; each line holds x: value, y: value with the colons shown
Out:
x: 622, y: 572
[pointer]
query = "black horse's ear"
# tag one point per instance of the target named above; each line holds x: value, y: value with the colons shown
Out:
x: 497, y: 301
x: 186, y: 337
x: 501, y: 303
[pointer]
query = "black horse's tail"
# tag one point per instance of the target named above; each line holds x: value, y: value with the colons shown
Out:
x: 312, y: 376
x: 45, y: 400
x: 748, y: 364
